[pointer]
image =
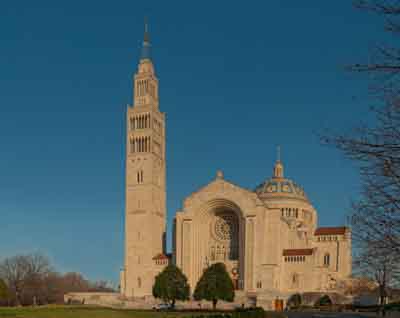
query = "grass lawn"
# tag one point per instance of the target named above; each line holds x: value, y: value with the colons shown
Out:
x: 80, y: 312
x: 55, y: 311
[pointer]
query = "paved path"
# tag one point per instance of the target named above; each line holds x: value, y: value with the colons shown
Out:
x: 332, y: 315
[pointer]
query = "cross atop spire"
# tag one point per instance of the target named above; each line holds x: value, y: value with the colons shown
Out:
x: 278, y: 155
x: 146, y: 42
x: 146, y: 31
x: 278, y: 168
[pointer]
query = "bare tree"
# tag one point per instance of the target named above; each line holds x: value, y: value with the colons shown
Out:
x: 380, y: 265
x: 383, y: 64
x: 24, y: 274
x: 31, y: 280
x: 375, y: 215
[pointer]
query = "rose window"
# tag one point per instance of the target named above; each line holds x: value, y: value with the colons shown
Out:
x: 225, y: 227
x: 225, y: 230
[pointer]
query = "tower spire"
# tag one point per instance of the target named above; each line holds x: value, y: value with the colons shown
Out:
x: 146, y: 30
x: 146, y: 41
x: 278, y: 155
x: 278, y: 168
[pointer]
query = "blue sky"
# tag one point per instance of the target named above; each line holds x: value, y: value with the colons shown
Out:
x: 237, y: 78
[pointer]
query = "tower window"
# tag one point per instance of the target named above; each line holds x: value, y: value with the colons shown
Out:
x: 132, y: 145
x: 139, y: 176
x: 139, y: 282
x: 327, y: 259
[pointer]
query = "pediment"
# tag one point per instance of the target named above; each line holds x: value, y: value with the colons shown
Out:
x: 221, y: 188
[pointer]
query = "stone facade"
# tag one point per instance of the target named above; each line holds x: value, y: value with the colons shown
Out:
x: 145, y: 196
x: 268, y: 238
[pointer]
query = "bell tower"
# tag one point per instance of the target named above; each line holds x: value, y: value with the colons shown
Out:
x: 145, y: 174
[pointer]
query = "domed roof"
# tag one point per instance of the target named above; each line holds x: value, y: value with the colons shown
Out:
x: 280, y: 187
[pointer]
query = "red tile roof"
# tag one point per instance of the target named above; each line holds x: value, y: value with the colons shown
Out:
x: 298, y: 251
x: 340, y: 230
x: 161, y: 256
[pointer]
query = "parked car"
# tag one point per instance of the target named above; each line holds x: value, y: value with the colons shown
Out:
x: 162, y: 306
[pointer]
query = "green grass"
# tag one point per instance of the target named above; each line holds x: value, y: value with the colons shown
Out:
x: 96, y: 312
x: 79, y: 312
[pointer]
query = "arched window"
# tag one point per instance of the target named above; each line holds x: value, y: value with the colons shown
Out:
x: 327, y: 259
x: 139, y: 282
x: 139, y: 176
x: 132, y: 145
x: 212, y: 253
x: 223, y: 253
x: 295, y: 280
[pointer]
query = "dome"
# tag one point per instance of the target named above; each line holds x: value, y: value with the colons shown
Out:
x: 280, y: 187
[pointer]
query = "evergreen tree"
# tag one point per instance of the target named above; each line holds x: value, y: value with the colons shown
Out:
x: 294, y: 301
x: 215, y: 284
x: 171, y: 285
x: 323, y: 301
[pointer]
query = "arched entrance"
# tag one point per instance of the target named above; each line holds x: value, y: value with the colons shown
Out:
x: 224, y: 242
x: 223, y: 239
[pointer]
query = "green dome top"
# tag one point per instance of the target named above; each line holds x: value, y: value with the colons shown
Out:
x: 280, y: 187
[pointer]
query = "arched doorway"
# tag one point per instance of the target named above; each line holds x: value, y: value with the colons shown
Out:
x: 224, y: 242
x: 215, y: 231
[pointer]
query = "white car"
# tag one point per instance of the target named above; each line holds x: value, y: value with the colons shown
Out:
x: 162, y: 306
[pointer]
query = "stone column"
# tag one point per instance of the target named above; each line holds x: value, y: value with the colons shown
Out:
x: 249, y: 254
x: 187, y: 248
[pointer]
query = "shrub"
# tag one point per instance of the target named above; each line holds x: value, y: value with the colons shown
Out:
x: 4, y: 292
x: 294, y: 301
x: 323, y: 301
x: 256, y: 312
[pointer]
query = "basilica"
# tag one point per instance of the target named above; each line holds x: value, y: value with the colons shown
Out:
x: 268, y: 237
